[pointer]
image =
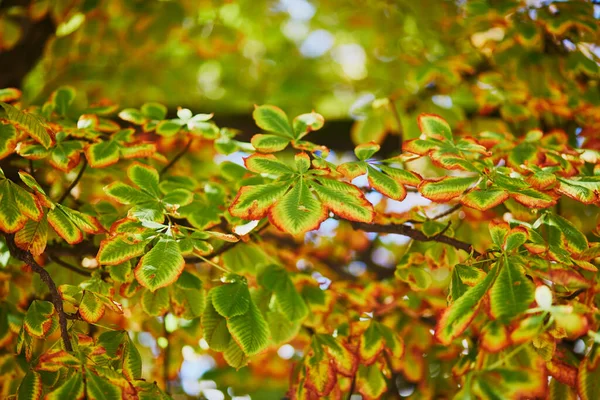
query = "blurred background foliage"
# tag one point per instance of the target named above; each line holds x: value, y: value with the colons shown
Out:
x: 481, y: 64
x: 368, y: 66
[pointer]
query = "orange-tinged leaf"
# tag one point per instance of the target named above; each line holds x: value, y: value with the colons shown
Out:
x: 91, y: 308
x: 494, y: 337
x: 371, y: 344
x: 533, y: 198
x: 33, y: 236
x: 459, y: 315
x: 446, y: 189
x: 63, y: 225
x: 385, y: 185
x: 161, y: 266
x: 30, y: 387
x: 38, y: 319
x: 344, y: 200
x: 434, y: 126
x: 484, y: 199
x: 298, y: 211
x: 266, y: 163
x: 254, y: 202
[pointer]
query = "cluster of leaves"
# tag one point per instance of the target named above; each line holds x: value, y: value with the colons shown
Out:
x: 159, y: 246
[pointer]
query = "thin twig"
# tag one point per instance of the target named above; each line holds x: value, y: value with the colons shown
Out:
x: 28, y: 259
x: 68, y: 266
x: 176, y: 158
x: 406, y: 230
x: 75, y: 181
x: 447, y: 212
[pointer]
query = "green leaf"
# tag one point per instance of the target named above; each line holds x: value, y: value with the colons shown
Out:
x: 102, y: 154
x: 145, y: 177
x: 214, y: 326
x: 132, y: 361
x: 266, y: 143
x: 371, y: 344
x: 574, y: 240
x: 515, y: 238
x: 385, y: 185
x: 33, y: 236
x: 344, y: 200
x: 417, y: 278
x: 306, y: 123
x: 38, y: 319
x: 459, y: 315
x: 512, y: 292
x: 72, y: 389
x: 168, y: 128
x: 434, y: 126
x: 9, y: 94
x: 126, y: 194
x: 30, y: 387
x: 254, y: 202
x: 234, y: 355
x: 119, y: 248
x: 366, y: 150
x: 155, y: 303
x: 62, y: 98
x: 298, y: 211
x: 483, y: 200
x: 250, y: 330
x: 12, y: 218
x: 281, y: 328
x: 63, y: 225
x: 273, y: 119
x: 370, y: 382
x: 302, y: 161
x: 91, y: 308
x: 268, y: 164
x: 446, y: 189
x: 132, y: 115
x: 231, y: 299
x: 588, y: 375
x: 161, y: 266
x: 402, y: 176
x: 286, y: 297
x: 8, y: 139
x: 187, y: 299
x: 98, y: 388
x: 154, y: 111
x: 178, y: 197
x: 30, y: 124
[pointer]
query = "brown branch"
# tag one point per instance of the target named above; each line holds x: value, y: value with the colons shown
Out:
x: 415, y: 234
x: 75, y: 181
x: 176, y: 158
x: 28, y: 259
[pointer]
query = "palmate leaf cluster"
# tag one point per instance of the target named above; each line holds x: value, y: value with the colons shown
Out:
x: 221, y: 259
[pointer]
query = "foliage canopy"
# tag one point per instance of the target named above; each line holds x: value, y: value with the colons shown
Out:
x: 140, y: 242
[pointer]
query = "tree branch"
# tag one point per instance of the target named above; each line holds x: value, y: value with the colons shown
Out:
x: 415, y: 234
x: 72, y: 185
x: 176, y: 158
x: 28, y: 259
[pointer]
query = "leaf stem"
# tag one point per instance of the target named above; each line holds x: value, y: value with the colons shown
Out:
x: 75, y: 181
x: 206, y: 260
x: 176, y: 158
